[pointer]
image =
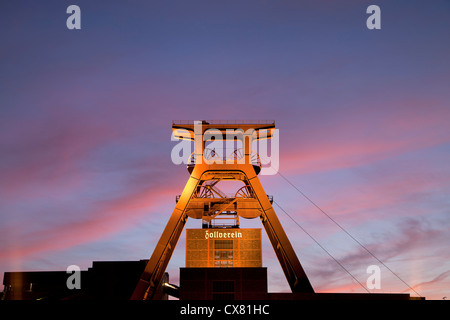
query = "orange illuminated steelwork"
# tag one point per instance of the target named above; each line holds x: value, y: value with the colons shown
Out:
x: 201, y: 199
x: 223, y: 248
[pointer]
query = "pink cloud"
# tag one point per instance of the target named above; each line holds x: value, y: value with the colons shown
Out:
x: 45, y: 159
x: 347, y: 143
x: 105, y: 219
x: 401, y: 250
x: 385, y: 192
x: 436, y: 288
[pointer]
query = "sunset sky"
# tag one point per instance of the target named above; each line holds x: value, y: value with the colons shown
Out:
x: 363, y: 117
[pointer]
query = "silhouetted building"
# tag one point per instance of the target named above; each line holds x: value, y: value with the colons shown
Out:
x: 223, y: 262
x: 37, y: 285
x: 105, y: 280
x: 223, y: 283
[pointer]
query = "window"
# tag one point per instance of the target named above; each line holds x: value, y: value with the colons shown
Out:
x: 223, y: 253
x: 223, y: 244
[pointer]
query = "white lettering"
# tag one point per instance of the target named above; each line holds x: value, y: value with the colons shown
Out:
x: 197, y: 310
x: 374, y: 21
x: 180, y: 153
x: 222, y: 235
x: 237, y: 143
x: 198, y: 141
x: 215, y: 138
x: 74, y: 20
x: 74, y: 281
x: 374, y: 280
x: 270, y: 164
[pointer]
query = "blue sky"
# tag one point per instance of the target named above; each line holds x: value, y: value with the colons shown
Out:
x: 85, y: 123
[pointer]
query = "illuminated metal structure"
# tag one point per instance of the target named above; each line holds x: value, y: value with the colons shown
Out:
x: 201, y: 200
x: 223, y: 248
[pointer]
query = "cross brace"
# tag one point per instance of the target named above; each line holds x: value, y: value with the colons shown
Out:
x: 156, y: 266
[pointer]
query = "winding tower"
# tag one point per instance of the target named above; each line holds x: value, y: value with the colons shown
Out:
x: 201, y: 199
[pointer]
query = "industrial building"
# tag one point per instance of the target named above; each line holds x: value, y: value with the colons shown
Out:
x: 223, y: 260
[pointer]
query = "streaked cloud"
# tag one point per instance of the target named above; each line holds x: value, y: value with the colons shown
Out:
x: 363, y: 117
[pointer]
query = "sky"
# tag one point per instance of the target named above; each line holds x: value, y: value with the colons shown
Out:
x: 363, y: 118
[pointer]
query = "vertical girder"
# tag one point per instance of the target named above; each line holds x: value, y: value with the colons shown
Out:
x: 200, y: 175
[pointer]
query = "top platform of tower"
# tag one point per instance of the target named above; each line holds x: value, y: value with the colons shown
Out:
x: 227, y: 129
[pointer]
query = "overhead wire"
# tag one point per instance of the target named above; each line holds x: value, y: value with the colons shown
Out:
x: 322, y: 247
x: 343, y: 229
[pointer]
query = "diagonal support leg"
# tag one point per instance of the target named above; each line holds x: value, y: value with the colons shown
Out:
x: 293, y: 270
x: 156, y: 266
